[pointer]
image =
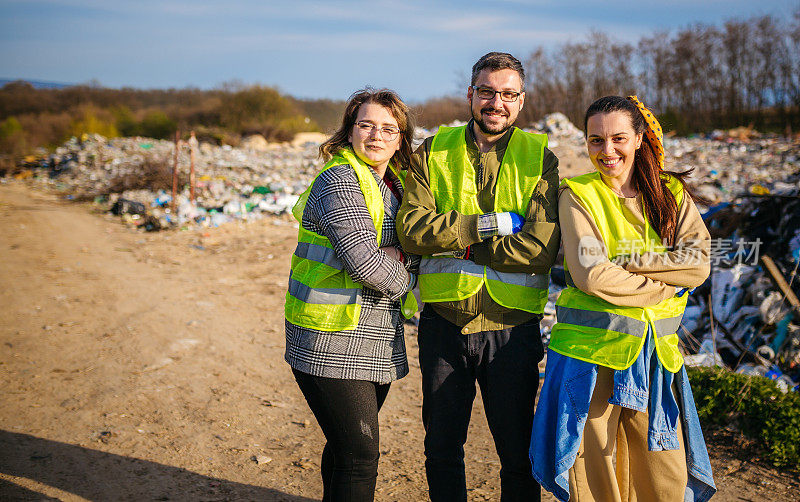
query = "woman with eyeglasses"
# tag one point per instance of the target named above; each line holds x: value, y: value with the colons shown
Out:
x: 349, y: 288
x: 634, y: 243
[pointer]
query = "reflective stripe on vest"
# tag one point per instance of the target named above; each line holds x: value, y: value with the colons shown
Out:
x: 447, y: 265
x: 668, y: 326
x: 601, y: 320
x: 318, y: 253
x: 452, y: 182
x: 324, y: 296
x: 596, y: 331
x: 536, y: 281
x: 321, y: 294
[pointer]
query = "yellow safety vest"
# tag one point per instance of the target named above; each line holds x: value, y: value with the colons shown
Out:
x: 321, y: 294
x: 594, y: 330
x: 452, y: 182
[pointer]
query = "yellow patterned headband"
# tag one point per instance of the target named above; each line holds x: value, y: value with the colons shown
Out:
x: 653, y: 132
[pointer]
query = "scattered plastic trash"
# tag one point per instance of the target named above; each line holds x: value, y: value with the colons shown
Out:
x: 754, y: 281
x: 559, y: 126
x: 233, y: 184
x: 705, y: 359
x: 727, y: 290
x: 126, y: 206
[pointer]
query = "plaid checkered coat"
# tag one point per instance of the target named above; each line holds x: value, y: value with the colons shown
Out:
x: 375, y: 350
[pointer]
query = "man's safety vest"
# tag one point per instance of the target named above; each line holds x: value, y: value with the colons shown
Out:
x: 452, y: 182
x: 596, y: 331
x: 321, y: 294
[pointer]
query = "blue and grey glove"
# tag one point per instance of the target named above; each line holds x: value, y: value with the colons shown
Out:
x: 506, y: 223
x: 509, y: 223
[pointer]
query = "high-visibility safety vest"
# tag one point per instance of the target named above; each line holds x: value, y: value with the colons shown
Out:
x: 452, y: 181
x: 596, y: 331
x: 322, y: 295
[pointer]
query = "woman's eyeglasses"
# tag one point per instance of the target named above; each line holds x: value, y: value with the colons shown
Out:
x: 388, y: 133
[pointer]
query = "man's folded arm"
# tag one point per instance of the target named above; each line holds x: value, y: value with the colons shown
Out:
x: 534, y: 248
x: 421, y: 229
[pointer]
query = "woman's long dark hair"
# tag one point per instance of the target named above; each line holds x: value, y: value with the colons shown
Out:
x: 660, y: 206
x: 389, y: 100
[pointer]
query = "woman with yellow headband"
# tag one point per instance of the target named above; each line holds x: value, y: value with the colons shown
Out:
x: 634, y: 243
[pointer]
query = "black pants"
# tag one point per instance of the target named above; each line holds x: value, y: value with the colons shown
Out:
x: 347, y: 413
x: 504, y: 363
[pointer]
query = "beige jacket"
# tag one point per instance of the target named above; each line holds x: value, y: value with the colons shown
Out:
x: 639, y: 280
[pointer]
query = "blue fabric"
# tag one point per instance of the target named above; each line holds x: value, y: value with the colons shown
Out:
x: 564, y: 406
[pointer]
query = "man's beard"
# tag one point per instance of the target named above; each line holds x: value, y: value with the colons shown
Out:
x: 485, y: 129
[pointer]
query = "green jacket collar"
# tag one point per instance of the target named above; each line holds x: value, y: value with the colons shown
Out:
x: 499, y: 147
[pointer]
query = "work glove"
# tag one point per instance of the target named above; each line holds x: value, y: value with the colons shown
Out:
x: 502, y: 224
x: 509, y: 223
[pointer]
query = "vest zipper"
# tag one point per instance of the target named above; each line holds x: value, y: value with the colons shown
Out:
x: 481, y: 170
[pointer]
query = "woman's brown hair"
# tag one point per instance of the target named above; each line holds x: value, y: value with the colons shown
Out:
x: 660, y: 206
x: 389, y: 100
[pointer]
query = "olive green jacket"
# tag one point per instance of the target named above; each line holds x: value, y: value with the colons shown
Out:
x: 422, y: 230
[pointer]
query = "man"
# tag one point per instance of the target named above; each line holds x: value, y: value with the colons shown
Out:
x: 481, y: 206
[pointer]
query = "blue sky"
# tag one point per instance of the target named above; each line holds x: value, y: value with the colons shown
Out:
x: 313, y: 48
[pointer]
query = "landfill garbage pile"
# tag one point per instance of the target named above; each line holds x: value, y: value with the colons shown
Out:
x: 420, y: 133
x: 558, y: 125
x: 232, y: 183
x: 747, y: 316
x: 727, y: 168
x: 247, y: 183
x: 555, y: 125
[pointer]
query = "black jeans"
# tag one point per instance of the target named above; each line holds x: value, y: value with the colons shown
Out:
x: 347, y: 413
x: 504, y: 363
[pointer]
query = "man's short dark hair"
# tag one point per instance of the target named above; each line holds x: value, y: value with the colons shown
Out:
x: 498, y: 61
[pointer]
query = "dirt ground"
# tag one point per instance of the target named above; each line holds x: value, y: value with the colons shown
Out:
x: 150, y: 367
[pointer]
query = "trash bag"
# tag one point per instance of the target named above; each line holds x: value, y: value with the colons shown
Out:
x: 125, y: 206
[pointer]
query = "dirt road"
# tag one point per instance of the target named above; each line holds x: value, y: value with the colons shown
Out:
x: 150, y: 367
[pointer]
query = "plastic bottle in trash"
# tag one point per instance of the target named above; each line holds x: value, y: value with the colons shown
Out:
x: 762, y: 370
x: 773, y: 373
x: 749, y: 369
x: 162, y: 199
x: 218, y: 219
x: 785, y: 384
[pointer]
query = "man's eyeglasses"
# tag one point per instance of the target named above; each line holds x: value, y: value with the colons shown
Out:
x: 488, y: 93
x: 388, y: 133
